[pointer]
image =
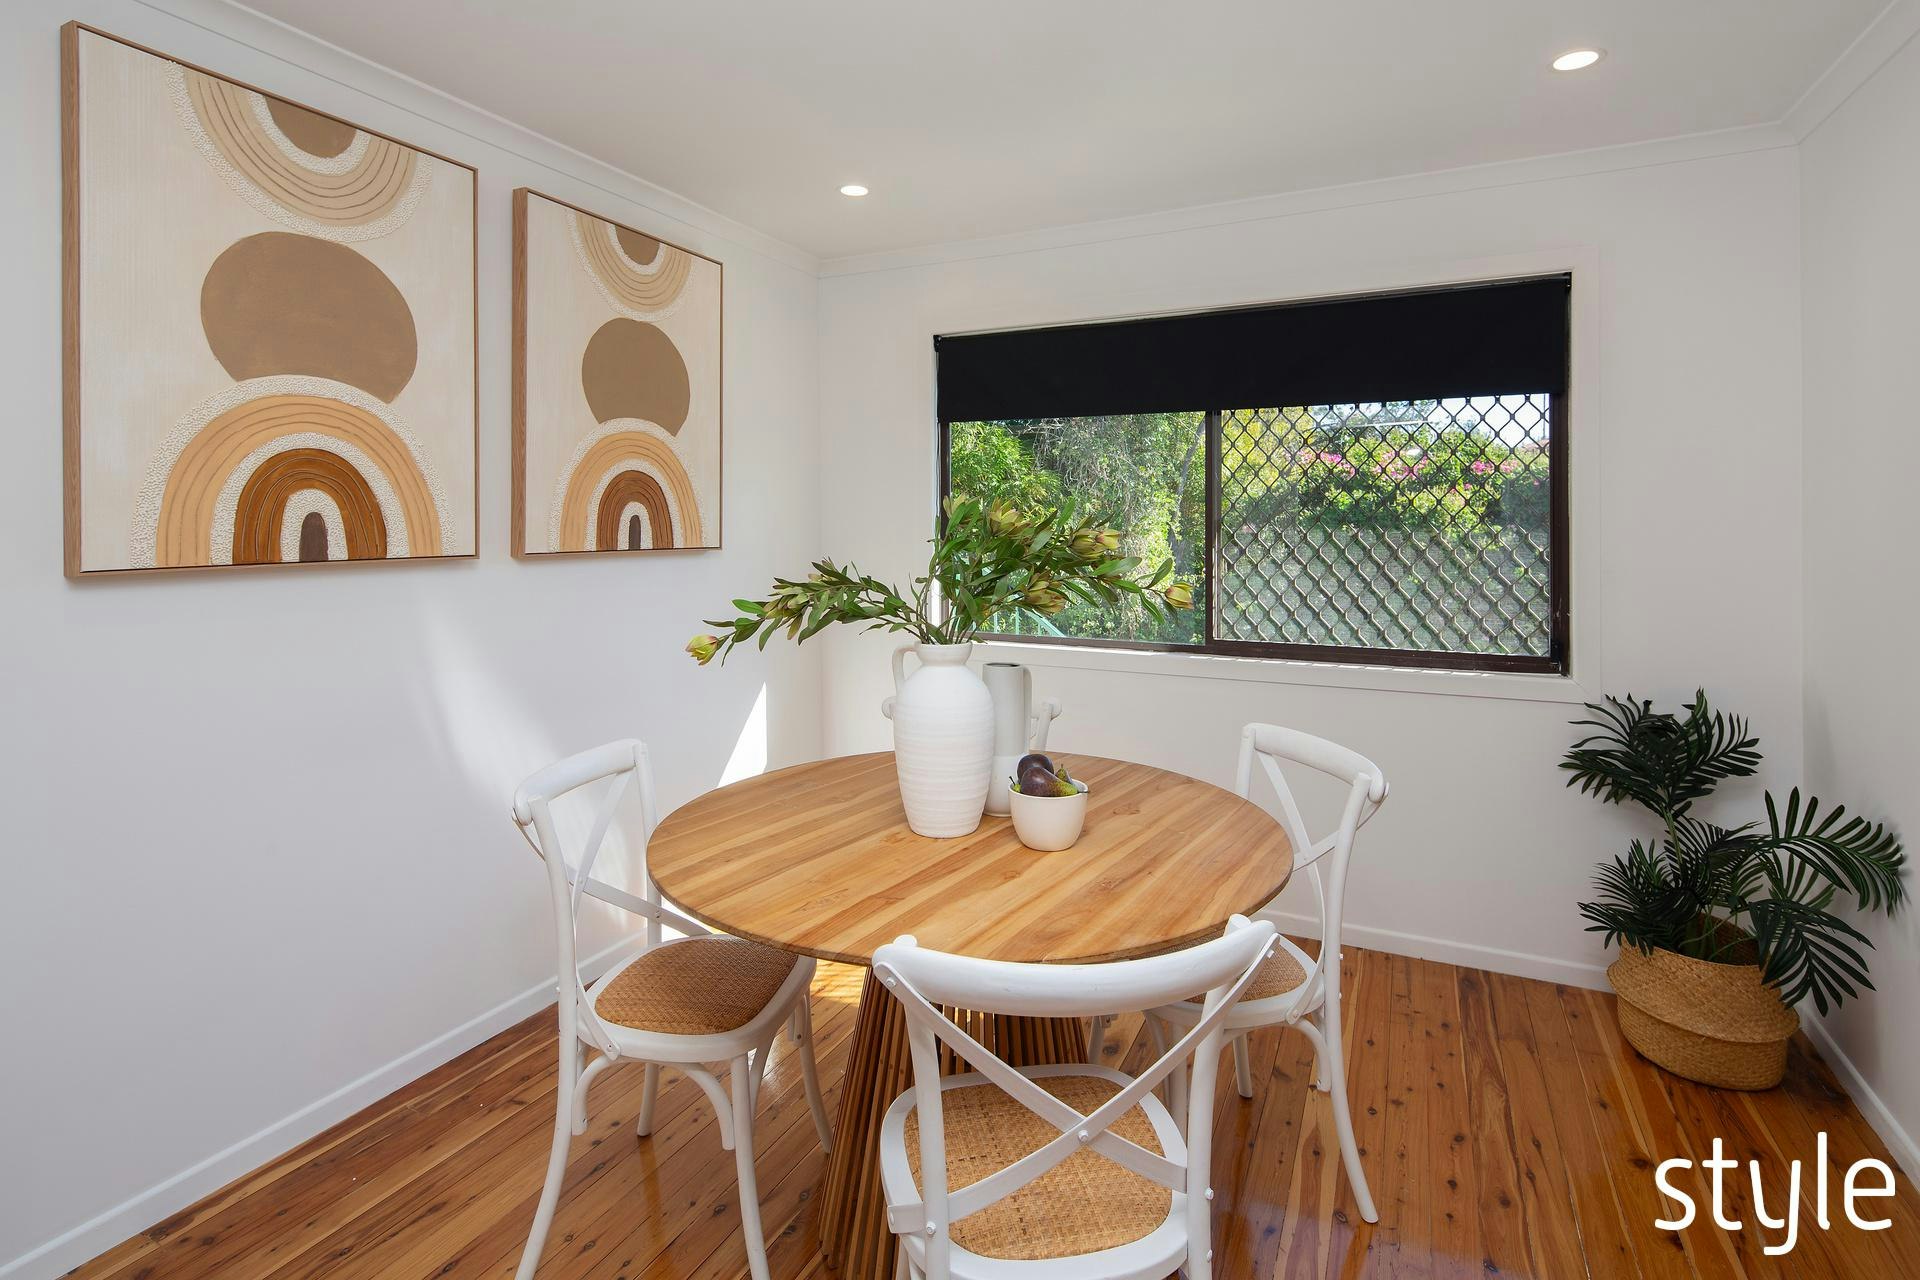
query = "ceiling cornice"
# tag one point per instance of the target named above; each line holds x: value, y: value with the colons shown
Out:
x: 1885, y: 36
x: 1505, y: 173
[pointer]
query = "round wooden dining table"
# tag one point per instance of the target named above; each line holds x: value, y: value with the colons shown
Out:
x: 818, y: 859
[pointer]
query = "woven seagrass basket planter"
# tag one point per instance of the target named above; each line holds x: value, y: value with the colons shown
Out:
x: 1711, y: 1022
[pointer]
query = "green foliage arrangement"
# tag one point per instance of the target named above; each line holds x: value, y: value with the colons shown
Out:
x: 988, y: 558
x: 1774, y: 884
x: 1147, y: 472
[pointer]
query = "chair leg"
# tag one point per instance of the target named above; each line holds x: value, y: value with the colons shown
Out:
x: 762, y: 1056
x: 810, y: 1072
x: 741, y: 1080
x: 556, y: 1162
x: 1317, y: 1034
x: 1157, y: 1033
x: 1242, y: 1067
x: 1334, y: 1065
x: 1096, y: 1038
x: 1177, y: 1096
x: 649, y: 1090
x: 580, y: 1091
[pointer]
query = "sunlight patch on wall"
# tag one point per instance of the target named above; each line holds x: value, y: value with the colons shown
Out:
x: 750, y: 749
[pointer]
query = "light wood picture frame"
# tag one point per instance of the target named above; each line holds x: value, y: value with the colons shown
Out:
x: 618, y: 363
x: 271, y: 327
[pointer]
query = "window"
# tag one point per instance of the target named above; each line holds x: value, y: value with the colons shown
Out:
x: 1378, y: 479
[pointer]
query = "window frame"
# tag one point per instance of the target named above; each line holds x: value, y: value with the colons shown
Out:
x: 1558, y: 661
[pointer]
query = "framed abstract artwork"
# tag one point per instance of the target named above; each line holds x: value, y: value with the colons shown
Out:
x: 270, y: 326
x: 616, y: 386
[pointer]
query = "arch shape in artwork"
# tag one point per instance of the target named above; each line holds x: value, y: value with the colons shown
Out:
x: 641, y: 290
x: 620, y: 447
x: 260, y: 517
x: 190, y: 512
x: 367, y: 188
x: 621, y: 493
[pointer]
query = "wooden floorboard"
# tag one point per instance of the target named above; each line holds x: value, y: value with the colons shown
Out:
x: 1505, y: 1126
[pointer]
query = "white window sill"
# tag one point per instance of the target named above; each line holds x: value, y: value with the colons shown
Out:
x: 1337, y: 675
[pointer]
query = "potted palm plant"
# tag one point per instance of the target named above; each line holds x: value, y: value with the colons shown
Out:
x: 1722, y: 930
x: 988, y: 560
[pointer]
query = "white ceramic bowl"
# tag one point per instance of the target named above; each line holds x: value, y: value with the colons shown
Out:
x: 1049, y: 823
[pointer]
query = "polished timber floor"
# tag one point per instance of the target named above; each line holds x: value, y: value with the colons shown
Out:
x: 1506, y: 1128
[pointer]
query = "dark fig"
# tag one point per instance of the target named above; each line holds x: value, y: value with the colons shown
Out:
x: 1035, y: 780
x: 1030, y: 759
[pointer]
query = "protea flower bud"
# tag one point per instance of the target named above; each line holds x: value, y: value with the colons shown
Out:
x: 703, y: 648
x: 1043, y: 600
x: 1085, y: 543
x: 1178, y: 595
x: 1003, y: 517
x: 1109, y: 539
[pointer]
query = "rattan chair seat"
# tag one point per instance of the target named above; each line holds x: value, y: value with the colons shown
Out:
x: 1082, y: 1205
x: 1279, y: 973
x: 695, y: 986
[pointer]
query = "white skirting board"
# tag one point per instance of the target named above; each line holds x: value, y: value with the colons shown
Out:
x: 1520, y: 964
x: 157, y: 1203
x: 1884, y: 1122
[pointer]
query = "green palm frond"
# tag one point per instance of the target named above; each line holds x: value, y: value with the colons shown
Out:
x: 1638, y: 903
x: 1662, y: 761
x: 1778, y: 882
x: 1615, y: 763
x: 1860, y: 855
x: 1805, y: 951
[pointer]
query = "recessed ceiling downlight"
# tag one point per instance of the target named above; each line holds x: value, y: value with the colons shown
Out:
x: 853, y: 189
x: 1578, y: 59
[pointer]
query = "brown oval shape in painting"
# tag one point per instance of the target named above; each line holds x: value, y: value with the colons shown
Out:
x: 313, y: 133
x: 284, y: 303
x: 641, y: 249
x: 632, y: 370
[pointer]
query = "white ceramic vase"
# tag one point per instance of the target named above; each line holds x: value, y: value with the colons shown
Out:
x: 942, y: 738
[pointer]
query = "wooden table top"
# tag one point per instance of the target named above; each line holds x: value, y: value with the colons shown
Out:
x: 819, y: 859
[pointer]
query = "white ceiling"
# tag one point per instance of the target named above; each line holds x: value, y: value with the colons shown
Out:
x: 982, y: 117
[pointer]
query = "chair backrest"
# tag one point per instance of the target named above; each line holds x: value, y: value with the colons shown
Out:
x: 624, y: 765
x: 923, y: 980
x: 1366, y: 783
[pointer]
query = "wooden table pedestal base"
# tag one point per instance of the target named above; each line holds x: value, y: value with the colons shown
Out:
x: 854, y: 1239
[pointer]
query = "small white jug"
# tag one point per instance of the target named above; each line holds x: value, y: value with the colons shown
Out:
x: 1017, y: 728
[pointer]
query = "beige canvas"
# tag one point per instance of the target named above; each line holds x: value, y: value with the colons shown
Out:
x: 617, y: 404
x: 271, y: 316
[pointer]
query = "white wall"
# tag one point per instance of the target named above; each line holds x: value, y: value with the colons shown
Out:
x: 1687, y: 496
x: 1861, y: 172
x: 258, y: 864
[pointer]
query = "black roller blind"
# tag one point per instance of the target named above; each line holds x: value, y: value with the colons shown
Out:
x: 1470, y: 340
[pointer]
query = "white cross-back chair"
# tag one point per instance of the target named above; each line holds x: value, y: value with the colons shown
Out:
x: 1293, y: 988
x: 1069, y: 1172
x: 690, y: 1003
